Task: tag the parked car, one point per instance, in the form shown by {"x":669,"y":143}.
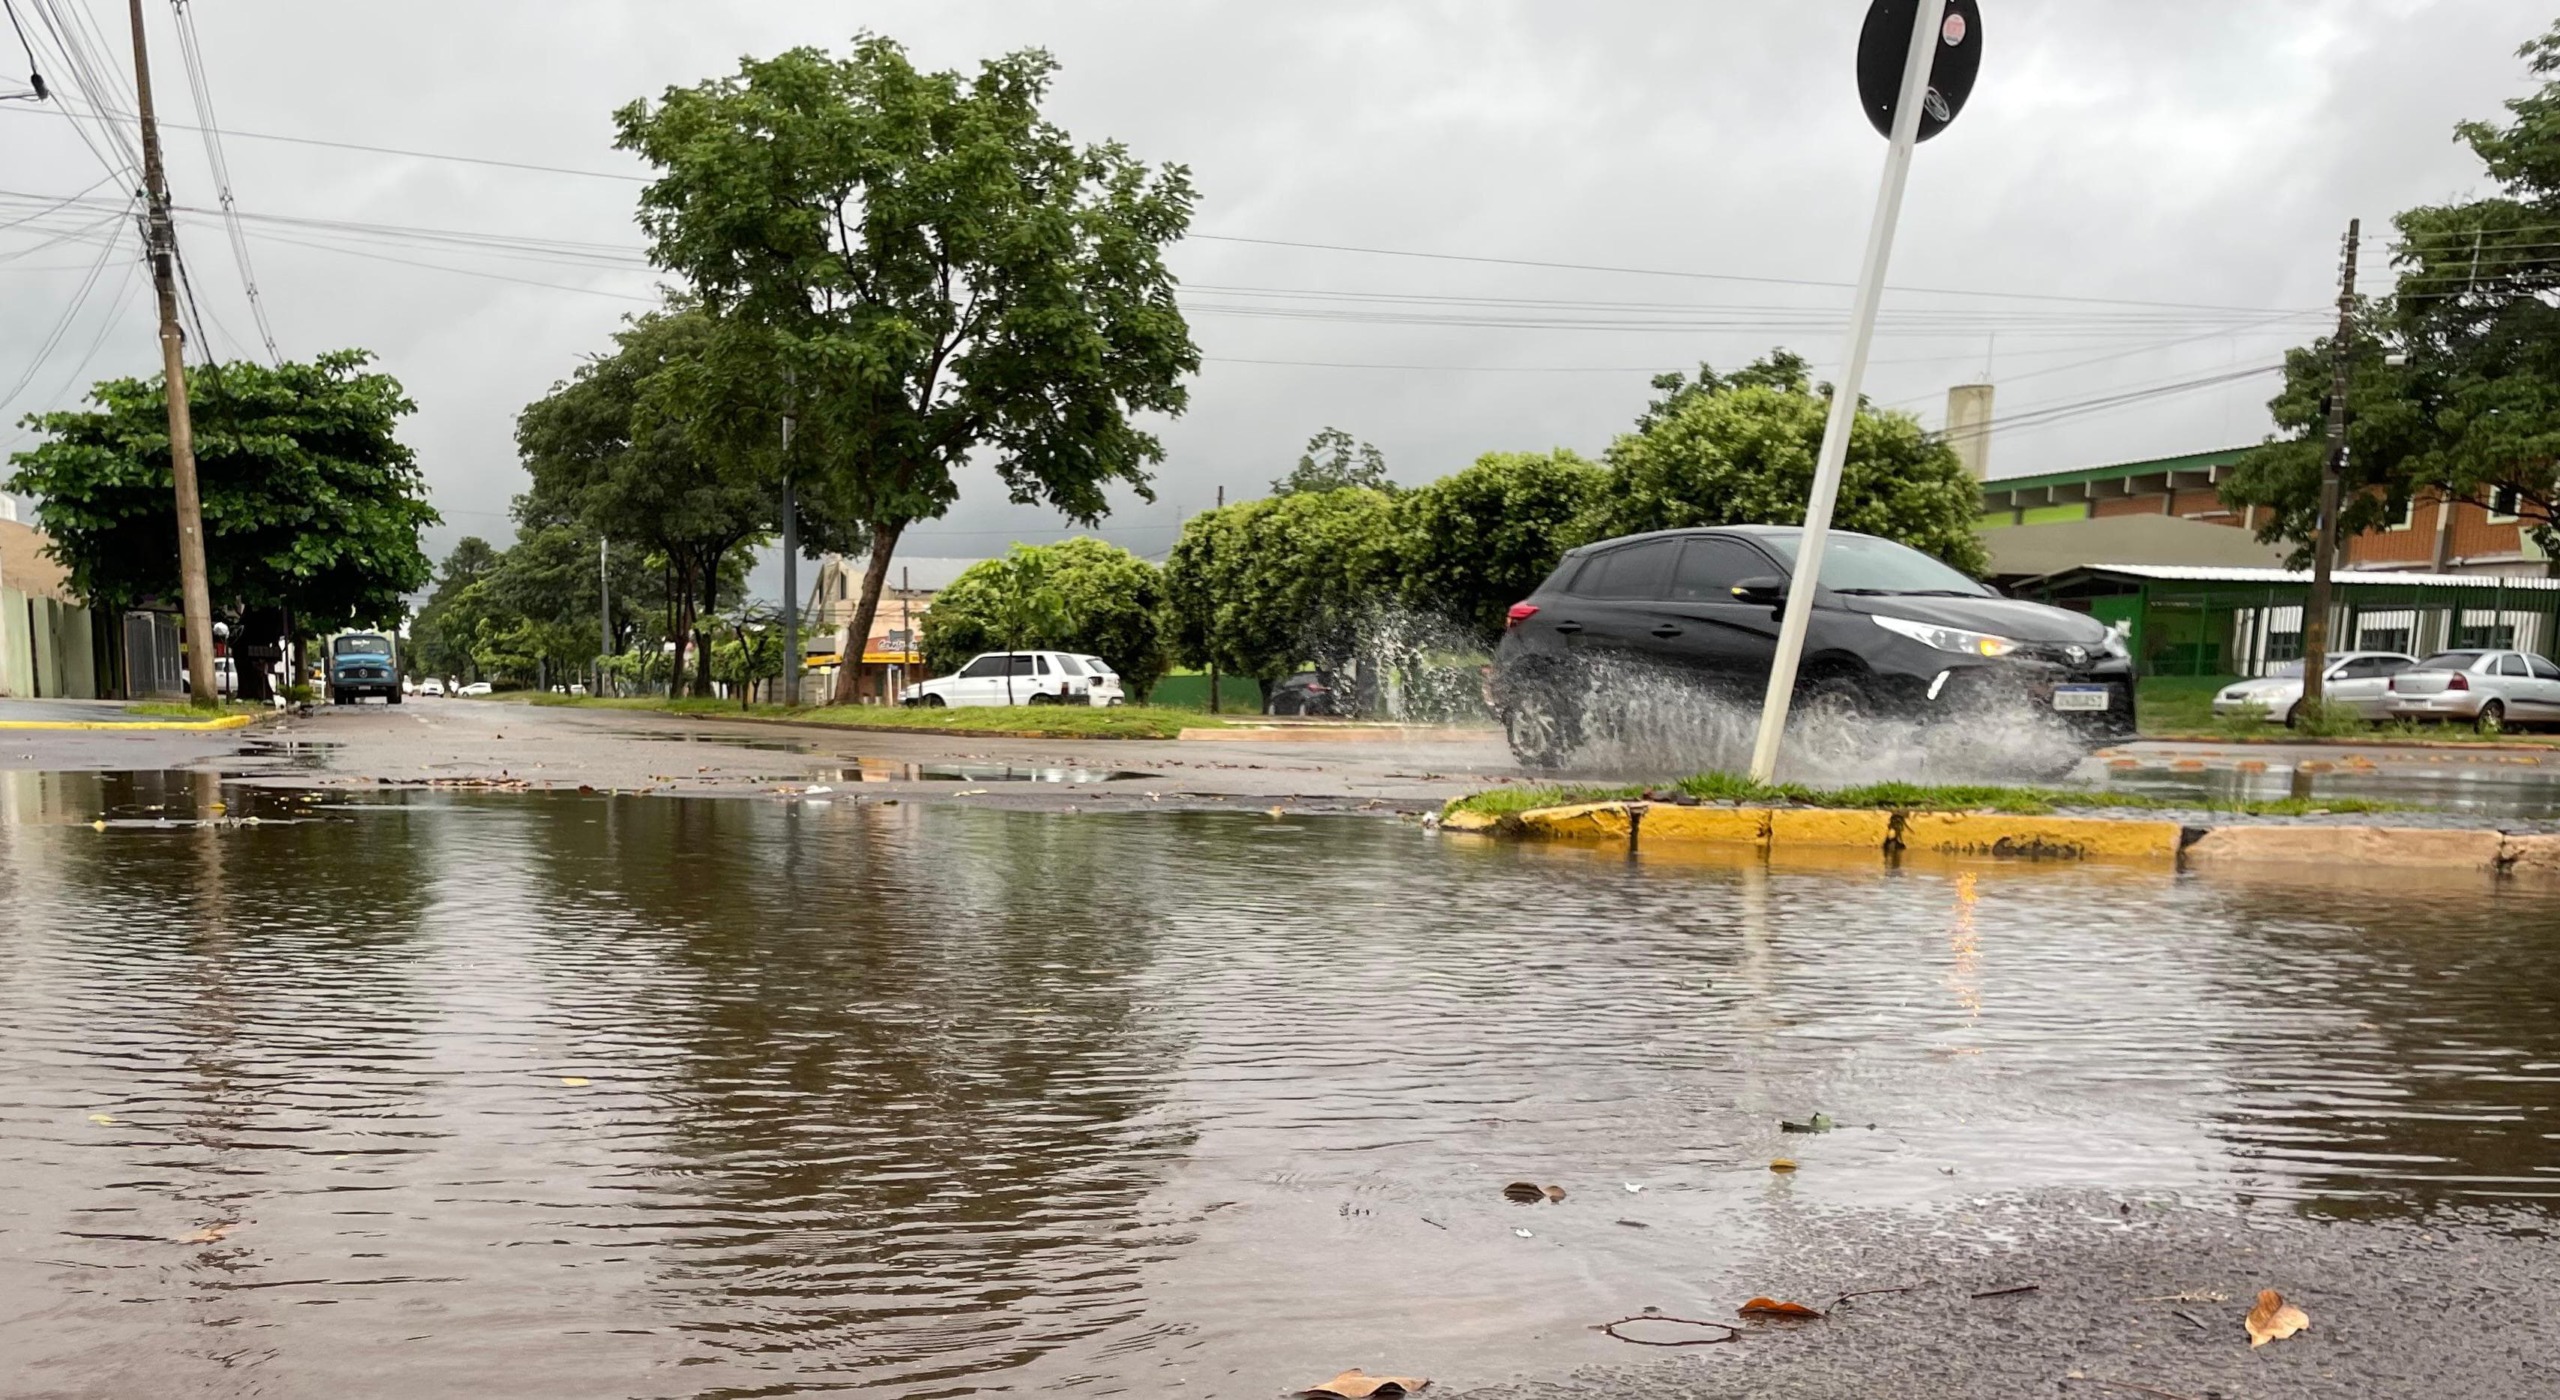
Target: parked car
{"x":432,"y":685}
{"x":2493,"y":690}
{"x":1306,"y":693}
{"x":1893,"y":632}
{"x":2357,"y":680}
{"x":1021,"y":678}
{"x":475,"y":688}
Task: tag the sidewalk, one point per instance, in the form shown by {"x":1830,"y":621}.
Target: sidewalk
{"x":104,"y":714}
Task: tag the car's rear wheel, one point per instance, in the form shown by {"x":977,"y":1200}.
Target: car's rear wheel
{"x":1542,"y":726}
{"x":2492,"y":718}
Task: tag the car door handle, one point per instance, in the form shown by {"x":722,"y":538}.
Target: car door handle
{"x":1666,"y":630}
{"x":1568,"y":627}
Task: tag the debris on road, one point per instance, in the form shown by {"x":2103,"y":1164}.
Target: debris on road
{"x":1530,"y":1193}
{"x":1611,"y":1328}
{"x":1771,"y":1307}
{"x":1356,"y":1384}
{"x":2005,"y":1292}
{"x":2274,"y":1319}
{"x":1818,"y":1123}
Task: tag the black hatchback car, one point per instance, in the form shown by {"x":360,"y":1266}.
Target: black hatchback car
{"x":1894,"y":632}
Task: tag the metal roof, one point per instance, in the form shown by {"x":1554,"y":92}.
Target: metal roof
{"x":2385,"y":578}
{"x":2191,"y":462}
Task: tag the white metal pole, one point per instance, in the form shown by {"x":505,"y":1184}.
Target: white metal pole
{"x":1844,"y":396}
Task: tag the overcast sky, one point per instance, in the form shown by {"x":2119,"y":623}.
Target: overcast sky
{"x":2156,"y":191}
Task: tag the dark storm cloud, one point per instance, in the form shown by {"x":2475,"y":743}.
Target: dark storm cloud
{"x":2185,"y":152}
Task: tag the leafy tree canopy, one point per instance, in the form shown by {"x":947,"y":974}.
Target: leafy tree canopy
{"x":1740,"y":449}
{"x":2475,"y":308}
{"x":1081,"y":595}
{"x":1258,"y":587}
{"x":1473,"y":543}
{"x":1333,"y":461}
{"x":312,"y":505}
{"x":923,"y":270}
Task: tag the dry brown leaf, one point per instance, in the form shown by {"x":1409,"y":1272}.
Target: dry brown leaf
{"x":1783,"y":1164}
{"x":210,"y":1234}
{"x":1527,"y":1193}
{"x":2274,"y":1319}
{"x":1771,"y":1307}
{"x":1356,"y":1384}
{"x":1555,"y":1193}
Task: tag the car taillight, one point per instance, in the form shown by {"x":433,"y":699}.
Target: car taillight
{"x":2459,"y":682}
{"x":1520,"y":613}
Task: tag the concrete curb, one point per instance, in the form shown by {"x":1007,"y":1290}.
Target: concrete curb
{"x":190,"y":726}
{"x":1637,"y":826}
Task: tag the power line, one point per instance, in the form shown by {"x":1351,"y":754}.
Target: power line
{"x":191,"y":54}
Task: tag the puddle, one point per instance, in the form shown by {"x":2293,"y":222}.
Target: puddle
{"x":888,"y":770}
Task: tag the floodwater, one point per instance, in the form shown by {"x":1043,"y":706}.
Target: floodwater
{"x":569,"y":1095}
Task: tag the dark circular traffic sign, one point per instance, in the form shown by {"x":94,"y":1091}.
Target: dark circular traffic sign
{"x":1886,"y":41}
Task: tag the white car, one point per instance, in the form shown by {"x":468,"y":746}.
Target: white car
{"x":432,"y":685}
{"x":2492,"y":690}
{"x":2355,"y":679}
{"x":475,"y":688}
{"x":1021,"y":678}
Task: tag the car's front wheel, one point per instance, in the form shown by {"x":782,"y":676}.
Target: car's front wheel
{"x":1834,"y":698}
{"x":934,"y":702}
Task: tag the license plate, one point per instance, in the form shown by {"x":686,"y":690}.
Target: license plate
{"x":2083,"y":697}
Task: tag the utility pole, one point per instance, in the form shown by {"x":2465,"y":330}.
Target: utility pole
{"x":790,"y":578}
{"x":2315,"y":614}
{"x":604,"y":610}
{"x":1213,"y":661}
{"x":195,"y":598}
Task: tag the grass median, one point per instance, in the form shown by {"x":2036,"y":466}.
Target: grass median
{"x":1734,"y":789}
{"x":1028,"y":721}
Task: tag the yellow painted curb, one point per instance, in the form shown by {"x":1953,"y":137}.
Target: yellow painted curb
{"x":2040,"y":838}
{"x":1813,"y":826}
{"x":2349,"y":847}
{"x":1470,"y":821}
{"x":1737,"y":826}
{"x":1605,"y":822}
{"x":195,"y":726}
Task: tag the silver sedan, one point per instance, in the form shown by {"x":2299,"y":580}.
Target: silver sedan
{"x":2355,"y":680}
{"x":2491,"y":690}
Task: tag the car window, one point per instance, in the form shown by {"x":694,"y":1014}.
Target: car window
{"x":991,"y":664}
{"x":1865,"y":564}
{"x":1097,"y":665}
{"x":2365,"y":667}
{"x":1068,"y":664}
{"x":2542,"y":669}
{"x":2450,"y":661}
{"x":2512,"y":665}
{"x":1710,"y":567}
{"x":1636,"y":571}
{"x":1022,"y":666}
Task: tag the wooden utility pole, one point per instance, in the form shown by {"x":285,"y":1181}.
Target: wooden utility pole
{"x":1213,"y":663}
{"x":194,"y":597}
{"x":2315,"y":614}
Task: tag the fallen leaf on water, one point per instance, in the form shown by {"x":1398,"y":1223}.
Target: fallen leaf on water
{"x":1555,"y":1193}
{"x":1783,"y":1164}
{"x":1524,"y":1234}
{"x":1771,"y":1307}
{"x":102,"y":1119}
{"x":970,"y":792}
{"x":1633,"y":1187}
{"x":1275,"y":813}
{"x":1526,"y":1193}
{"x":2274,"y":1319}
{"x":98,"y":825}
{"x":210,"y":1234}
{"x":575,"y":1081}
{"x":1356,"y":1384}
{"x":1818,"y":1123}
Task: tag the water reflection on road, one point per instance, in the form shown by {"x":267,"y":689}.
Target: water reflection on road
{"x":560,"y":1095}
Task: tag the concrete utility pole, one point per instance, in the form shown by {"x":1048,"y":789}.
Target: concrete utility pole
{"x":2315,"y":614}
{"x":195,"y":598}
{"x":604,"y":610}
{"x":1213,"y":664}
{"x":790,"y":578}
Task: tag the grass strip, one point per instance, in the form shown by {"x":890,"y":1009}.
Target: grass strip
{"x":180,"y":709}
{"x":1028,"y":721}
{"x":1738,"y":790}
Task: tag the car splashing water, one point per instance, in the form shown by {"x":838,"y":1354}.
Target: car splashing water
{"x":579,"y":1095}
{"x":1645,"y":724}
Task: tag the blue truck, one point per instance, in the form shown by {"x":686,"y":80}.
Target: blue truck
{"x":362,"y":664}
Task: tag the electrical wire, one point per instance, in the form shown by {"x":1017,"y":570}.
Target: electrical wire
{"x":53,"y":338}
{"x":191,"y":52}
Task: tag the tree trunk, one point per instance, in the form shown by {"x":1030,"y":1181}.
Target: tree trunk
{"x":680,"y":609}
{"x":702,"y":625}
{"x":875,"y":579}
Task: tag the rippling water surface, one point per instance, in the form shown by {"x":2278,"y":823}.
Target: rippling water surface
{"x":585,"y":1096}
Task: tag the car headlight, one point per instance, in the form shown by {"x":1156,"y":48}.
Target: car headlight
{"x":1930,"y":634}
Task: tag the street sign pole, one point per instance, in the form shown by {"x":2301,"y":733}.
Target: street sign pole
{"x":1927,"y":21}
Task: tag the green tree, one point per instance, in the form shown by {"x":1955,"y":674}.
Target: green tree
{"x":2474,"y":412}
{"x":1333,"y":461}
{"x":605,"y":453}
{"x":1258,"y":587}
{"x":1108,"y":600}
{"x":1740,"y":449}
{"x":1473,"y":543}
{"x":936,"y":272}
{"x":441,"y":634}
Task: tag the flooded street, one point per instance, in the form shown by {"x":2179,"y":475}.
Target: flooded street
{"x":555,"y":1094}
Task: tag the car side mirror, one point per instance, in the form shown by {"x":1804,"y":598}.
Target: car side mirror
{"x":1766,"y":588}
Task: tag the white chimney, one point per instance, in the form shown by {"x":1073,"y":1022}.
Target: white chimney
{"x":1969,"y":427}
